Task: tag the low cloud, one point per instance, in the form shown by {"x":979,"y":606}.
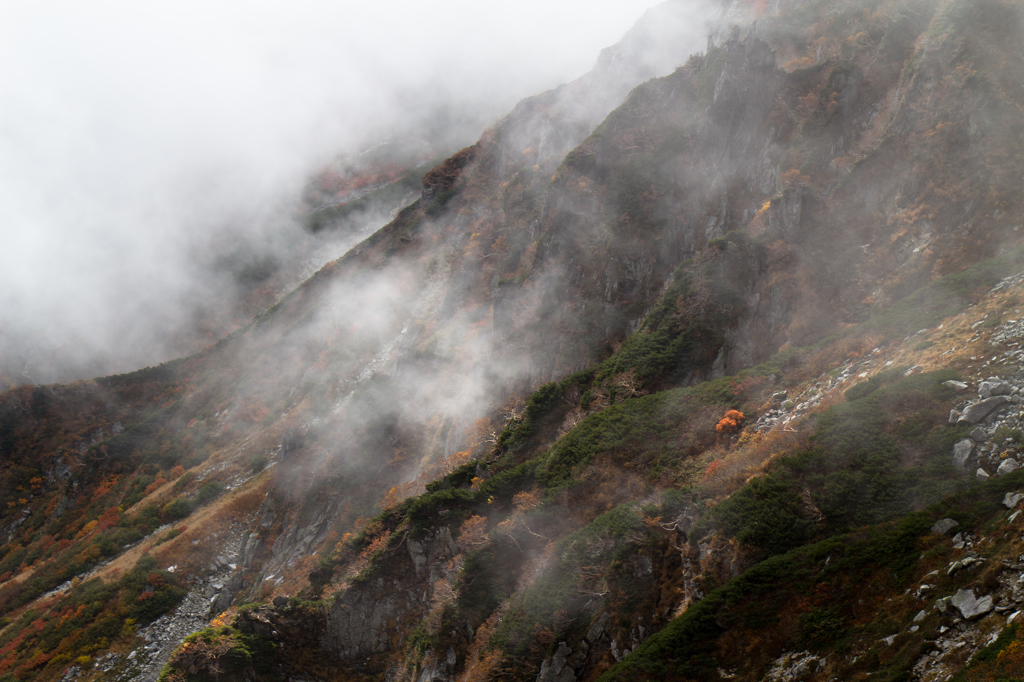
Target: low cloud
{"x":138,"y":141}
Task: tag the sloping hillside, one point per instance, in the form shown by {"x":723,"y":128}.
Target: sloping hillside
{"x":669,"y":381}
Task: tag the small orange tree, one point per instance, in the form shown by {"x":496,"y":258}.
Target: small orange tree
{"x":731,"y":422}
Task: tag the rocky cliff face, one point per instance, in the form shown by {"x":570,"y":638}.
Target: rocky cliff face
{"x":615,"y":398}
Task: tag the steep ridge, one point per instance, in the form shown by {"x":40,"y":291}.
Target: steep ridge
{"x":116,"y":448}
{"x":805,"y":176}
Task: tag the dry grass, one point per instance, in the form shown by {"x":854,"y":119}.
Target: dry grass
{"x":739,"y":465}
{"x":236,"y":505}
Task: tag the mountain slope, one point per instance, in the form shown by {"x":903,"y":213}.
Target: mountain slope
{"x":610,"y":376}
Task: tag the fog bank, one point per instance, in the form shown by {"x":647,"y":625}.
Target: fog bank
{"x":137,"y":142}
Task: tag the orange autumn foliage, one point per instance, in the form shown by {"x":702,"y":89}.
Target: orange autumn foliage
{"x":731,"y":422}
{"x":473,"y":533}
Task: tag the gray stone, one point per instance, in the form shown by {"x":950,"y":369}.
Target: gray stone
{"x":962,"y":450}
{"x":981,"y":474}
{"x":954,"y":416}
{"x":418,"y":556}
{"x":954,"y":384}
{"x":981,"y":409}
{"x":555,"y":669}
{"x":577,"y":660}
{"x":433,"y":670}
{"x":266,"y":513}
{"x":979,"y":434}
{"x":920,"y":616}
{"x":970,"y":607}
{"x":251,"y":545}
{"x":1010,"y":500}
{"x":597,"y":629}
{"x":943,"y":526}
{"x":1007,"y":466}
{"x":560,"y":657}
{"x":567,"y":675}
{"x":357,"y":623}
{"x":221,"y":603}
{"x":987,"y":389}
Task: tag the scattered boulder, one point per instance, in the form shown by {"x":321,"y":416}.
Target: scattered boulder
{"x":962,"y":450}
{"x":956,"y":385}
{"x":1010,"y":500}
{"x":975,"y":413}
{"x":943,"y":526}
{"x":993,"y":387}
{"x":1007,"y":466}
{"x":982,"y":474}
{"x":794,"y":666}
{"x":970,"y":607}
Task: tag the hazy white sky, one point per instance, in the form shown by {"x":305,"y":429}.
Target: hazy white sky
{"x":131,"y":133}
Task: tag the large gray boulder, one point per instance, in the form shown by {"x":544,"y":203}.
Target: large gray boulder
{"x":989,"y":388}
{"x":962,"y":450}
{"x":1007,"y":466}
{"x":981,"y":409}
{"x":969,"y":607}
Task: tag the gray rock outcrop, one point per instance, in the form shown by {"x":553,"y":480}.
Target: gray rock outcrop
{"x":363,"y":618}
{"x":557,"y":668}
